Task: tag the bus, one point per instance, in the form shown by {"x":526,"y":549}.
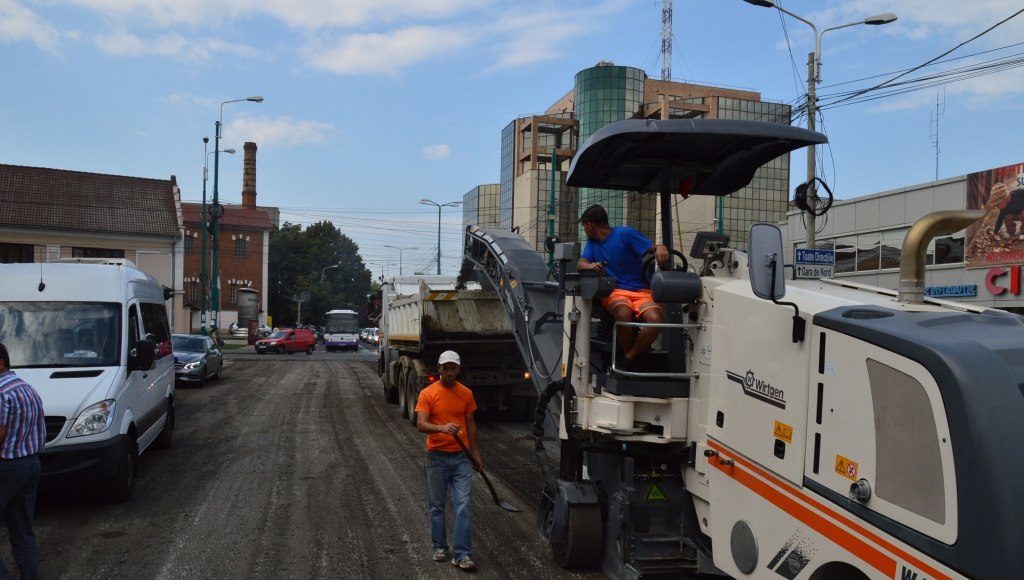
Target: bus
{"x":342,"y":330}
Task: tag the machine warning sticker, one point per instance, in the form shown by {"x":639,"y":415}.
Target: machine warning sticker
{"x":846,"y":467}
{"x":655,"y":495}
{"x":783,"y":431}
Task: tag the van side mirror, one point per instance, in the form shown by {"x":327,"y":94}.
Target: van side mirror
{"x":765,"y":262}
{"x":141,"y":356}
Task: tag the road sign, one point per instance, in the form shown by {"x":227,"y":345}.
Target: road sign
{"x":813,"y":264}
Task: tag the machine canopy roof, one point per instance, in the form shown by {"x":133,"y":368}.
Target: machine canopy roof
{"x":689,"y":156}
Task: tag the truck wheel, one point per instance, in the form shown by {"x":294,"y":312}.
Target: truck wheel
{"x":412,"y":395}
{"x":121,"y":486}
{"x":583,"y":535}
{"x":403,"y":395}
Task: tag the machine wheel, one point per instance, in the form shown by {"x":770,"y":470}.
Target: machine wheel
{"x":412,"y":395}
{"x":403,"y":395}
{"x":583,"y":539}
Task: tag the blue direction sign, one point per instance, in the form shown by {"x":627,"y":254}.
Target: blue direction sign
{"x":813,"y":264}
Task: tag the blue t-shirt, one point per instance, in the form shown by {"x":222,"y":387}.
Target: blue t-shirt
{"x":623,"y":251}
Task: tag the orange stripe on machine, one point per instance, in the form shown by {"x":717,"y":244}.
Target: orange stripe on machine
{"x":791,"y":504}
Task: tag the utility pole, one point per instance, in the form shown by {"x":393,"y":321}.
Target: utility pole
{"x":426,"y":201}
{"x":552,"y":210}
{"x":940,"y":110}
{"x":812,"y":196}
{"x":202,"y":269}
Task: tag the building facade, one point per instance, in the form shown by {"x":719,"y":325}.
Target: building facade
{"x":481,"y":206}
{"x":51,"y":214}
{"x":532,"y":146}
{"x":981,"y":265}
{"x":243,"y":254}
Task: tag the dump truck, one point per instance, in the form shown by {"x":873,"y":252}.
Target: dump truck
{"x":834,"y":431}
{"x":423,"y":316}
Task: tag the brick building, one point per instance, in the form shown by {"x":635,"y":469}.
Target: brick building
{"x":243,"y":257}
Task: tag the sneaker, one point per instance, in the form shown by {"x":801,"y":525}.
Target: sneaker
{"x":464,"y":564}
{"x":441,"y":554}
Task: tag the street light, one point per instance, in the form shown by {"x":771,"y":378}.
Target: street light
{"x":217,"y":210}
{"x":202,"y":270}
{"x":399,"y":255}
{"x":813,"y":78}
{"x":323,"y":271}
{"x":426,"y":201}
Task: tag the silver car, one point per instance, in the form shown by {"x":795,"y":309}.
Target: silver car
{"x":196,"y":358}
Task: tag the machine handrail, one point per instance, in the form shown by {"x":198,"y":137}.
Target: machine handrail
{"x":680,"y":325}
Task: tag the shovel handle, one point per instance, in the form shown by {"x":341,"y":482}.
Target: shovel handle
{"x":466,"y":451}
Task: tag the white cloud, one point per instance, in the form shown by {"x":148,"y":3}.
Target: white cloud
{"x":437,"y":152}
{"x":530,"y":35}
{"x":386,"y":53}
{"x":171,"y":45}
{"x":278,"y":131}
{"x":953,"y":20}
{"x":18,"y":24}
{"x":311,"y":14}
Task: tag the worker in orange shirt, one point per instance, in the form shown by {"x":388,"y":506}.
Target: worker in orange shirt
{"x":445,"y":411}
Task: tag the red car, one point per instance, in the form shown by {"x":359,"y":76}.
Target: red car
{"x":288,"y":340}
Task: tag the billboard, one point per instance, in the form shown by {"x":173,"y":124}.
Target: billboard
{"x":998,"y":238}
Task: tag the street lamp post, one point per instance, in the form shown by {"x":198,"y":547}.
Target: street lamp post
{"x":202,"y":269}
{"x":323,"y":271}
{"x":217,"y":210}
{"x":399,"y":255}
{"x":813,"y":78}
{"x":426,"y":201}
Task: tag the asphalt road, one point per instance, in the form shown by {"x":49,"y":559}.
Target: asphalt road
{"x":292,"y":467}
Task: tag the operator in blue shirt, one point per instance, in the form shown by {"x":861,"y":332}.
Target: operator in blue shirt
{"x":619,"y":252}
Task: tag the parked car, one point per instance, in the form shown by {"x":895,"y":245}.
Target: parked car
{"x":375,"y":336}
{"x":288,"y":340}
{"x":196,"y":358}
{"x":93,"y":339}
{"x":264,"y":330}
{"x":364,"y":334}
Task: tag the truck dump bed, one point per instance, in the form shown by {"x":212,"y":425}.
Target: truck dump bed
{"x":437,"y":312}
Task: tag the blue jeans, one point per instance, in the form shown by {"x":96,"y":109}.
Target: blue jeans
{"x":454,"y":470}
{"x":18,"y":481}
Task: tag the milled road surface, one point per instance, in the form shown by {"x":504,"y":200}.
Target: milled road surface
{"x":292,"y":467}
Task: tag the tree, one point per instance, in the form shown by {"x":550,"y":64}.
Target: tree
{"x":297,"y":261}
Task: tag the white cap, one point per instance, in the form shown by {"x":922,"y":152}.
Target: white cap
{"x":449,"y":356}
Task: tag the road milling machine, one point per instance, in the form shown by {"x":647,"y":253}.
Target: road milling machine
{"x":803,"y":429}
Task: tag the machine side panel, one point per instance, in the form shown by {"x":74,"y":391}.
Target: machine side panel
{"x":759,"y":381}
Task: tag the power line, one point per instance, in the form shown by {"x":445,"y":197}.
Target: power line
{"x":930,"y":61}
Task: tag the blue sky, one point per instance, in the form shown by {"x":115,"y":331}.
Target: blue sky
{"x":372,"y":104}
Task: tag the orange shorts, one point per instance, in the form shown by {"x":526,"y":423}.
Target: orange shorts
{"x":639,"y":301}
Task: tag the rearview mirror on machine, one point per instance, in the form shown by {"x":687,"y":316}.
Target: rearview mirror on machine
{"x":764,"y":262}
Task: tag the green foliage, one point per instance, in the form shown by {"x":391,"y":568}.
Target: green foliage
{"x":297,"y":259}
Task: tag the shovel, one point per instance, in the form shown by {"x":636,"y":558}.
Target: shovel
{"x":494,"y":495}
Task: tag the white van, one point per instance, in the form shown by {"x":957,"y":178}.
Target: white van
{"x":92,"y":338}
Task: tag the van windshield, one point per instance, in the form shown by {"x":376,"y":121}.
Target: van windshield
{"x":61,"y":334}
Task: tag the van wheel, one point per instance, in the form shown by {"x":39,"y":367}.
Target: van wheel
{"x":121,"y":486}
{"x":166,"y":436}
{"x":403,"y":395}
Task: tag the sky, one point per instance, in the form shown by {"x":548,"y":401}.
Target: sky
{"x":371,"y":105}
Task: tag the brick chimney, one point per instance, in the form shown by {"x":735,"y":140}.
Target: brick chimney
{"x":249,"y":176}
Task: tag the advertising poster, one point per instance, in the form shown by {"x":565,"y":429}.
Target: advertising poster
{"x":998,"y":238}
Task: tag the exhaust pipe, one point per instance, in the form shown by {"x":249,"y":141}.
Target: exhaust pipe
{"x":915,"y":245}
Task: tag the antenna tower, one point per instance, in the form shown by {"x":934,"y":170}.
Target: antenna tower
{"x":940,"y":110}
{"x":666,"y":40}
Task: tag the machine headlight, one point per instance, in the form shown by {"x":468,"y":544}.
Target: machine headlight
{"x":192,"y":365}
{"x":95,"y":419}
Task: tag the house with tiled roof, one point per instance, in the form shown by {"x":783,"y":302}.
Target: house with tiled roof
{"x":48,"y":214}
{"x":243,"y":255}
